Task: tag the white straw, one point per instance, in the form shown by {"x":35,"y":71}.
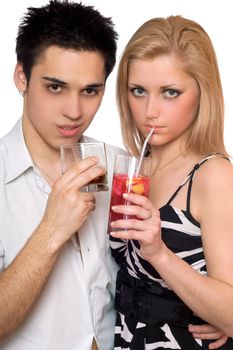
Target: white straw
{"x":143,"y":150}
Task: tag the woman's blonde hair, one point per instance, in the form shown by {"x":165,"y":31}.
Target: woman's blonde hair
{"x":188,"y":41}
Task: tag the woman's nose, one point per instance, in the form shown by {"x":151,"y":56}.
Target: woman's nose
{"x":152,"y":108}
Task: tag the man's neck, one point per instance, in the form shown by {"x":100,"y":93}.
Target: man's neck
{"x":45,"y":158}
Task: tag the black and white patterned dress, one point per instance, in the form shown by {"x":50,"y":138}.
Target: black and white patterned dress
{"x":182,"y":235}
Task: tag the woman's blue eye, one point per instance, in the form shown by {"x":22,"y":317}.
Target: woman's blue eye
{"x":137,"y":91}
{"x":171,"y":93}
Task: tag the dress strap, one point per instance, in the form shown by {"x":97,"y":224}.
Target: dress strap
{"x":196,"y":167}
{"x":190,"y":177}
{"x":178,"y":189}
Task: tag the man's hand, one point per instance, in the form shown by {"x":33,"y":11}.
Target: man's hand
{"x":207,"y":332}
{"x":67,"y":207}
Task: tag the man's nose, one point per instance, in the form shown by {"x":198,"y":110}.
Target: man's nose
{"x":73,"y":106}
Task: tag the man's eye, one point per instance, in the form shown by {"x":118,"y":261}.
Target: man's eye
{"x":90,"y":91}
{"x":138,"y":91}
{"x":54,"y":87}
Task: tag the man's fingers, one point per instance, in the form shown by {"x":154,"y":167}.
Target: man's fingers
{"x":82,"y":173}
{"x":205,"y":329}
{"x":79,"y":167}
{"x":218,"y":343}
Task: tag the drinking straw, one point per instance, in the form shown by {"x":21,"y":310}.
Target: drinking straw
{"x":143,"y":150}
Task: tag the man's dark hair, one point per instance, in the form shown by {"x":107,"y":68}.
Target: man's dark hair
{"x":68,"y":25}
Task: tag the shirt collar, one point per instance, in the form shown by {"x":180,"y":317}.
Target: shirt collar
{"x":19,"y":159}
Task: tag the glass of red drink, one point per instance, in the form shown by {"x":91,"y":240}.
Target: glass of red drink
{"x":70,"y":154}
{"x":127,"y":179}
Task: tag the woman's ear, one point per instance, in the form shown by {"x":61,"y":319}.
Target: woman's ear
{"x":20,"y":79}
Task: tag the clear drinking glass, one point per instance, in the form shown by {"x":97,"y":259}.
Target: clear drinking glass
{"x":127,"y":178}
{"x":71,"y":154}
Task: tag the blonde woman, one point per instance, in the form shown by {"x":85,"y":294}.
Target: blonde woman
{"x":176,"y":261}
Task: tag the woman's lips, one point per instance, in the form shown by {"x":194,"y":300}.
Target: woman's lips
{"x":156,"y":128}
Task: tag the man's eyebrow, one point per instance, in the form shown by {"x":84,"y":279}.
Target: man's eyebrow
{"x":61,"y":82}
{"x":94,"y":85}
{"x":55,"y":80}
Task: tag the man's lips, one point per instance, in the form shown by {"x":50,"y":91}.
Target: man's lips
{"x":69,"y":130}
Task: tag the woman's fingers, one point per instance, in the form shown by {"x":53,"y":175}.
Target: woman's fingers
{"x":132,"y":210}
{"x":139,"y":200}
{"x":139,"y":216}
{"x":143,"y":230}
{"x":136,"y":205}
{"x":127,"y":234}
{"x":133,"y":224}
{"x":141,"y":222}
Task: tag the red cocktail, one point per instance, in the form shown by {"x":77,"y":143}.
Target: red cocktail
{"x":123,"y":184}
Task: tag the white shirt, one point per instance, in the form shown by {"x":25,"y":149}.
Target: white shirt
{"x":77,"y":301}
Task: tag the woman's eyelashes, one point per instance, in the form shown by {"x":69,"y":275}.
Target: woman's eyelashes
{"x":137,"y":91}
{"x":171,"y":93}
{"x":166,"y":92}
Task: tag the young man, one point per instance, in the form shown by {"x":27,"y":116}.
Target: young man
{"x":54,"y":295}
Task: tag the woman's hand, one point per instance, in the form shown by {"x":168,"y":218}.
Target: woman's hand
{"x":144,"y":226}
{"x":206,"y":332}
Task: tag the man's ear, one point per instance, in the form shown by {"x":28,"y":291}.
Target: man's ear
{"x":20,"y":78}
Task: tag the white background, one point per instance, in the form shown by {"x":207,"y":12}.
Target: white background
{"x":215,"y":16}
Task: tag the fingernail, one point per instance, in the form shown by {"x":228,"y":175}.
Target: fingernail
{"x":125,"y":195}
{"x":190,"y":327}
